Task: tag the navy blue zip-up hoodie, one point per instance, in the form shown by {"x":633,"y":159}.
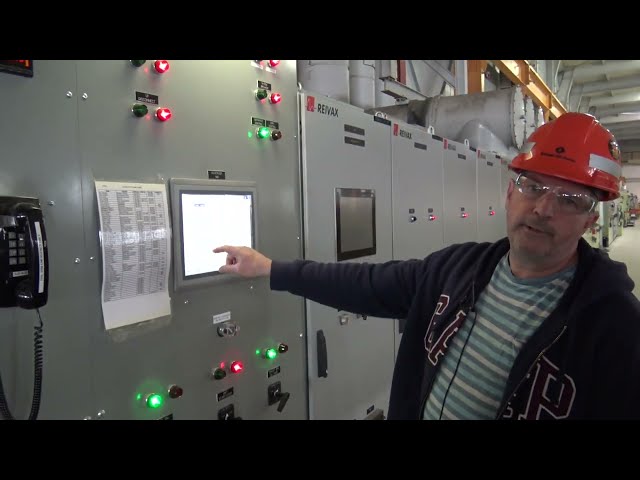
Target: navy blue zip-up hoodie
{"x":583,"y":361}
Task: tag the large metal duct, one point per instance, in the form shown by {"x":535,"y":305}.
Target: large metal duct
{"x":362,"y":83}
{"x":501,"y":111}
{"x":326,"y":77}
{"x":483,"y":138}
{"x":529,"y":117}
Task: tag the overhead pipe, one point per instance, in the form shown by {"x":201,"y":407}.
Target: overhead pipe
{"x":326,"y":77}
{"x":362,"y":83}
{"x":631,"y":81}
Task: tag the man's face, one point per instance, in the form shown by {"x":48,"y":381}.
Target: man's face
{"x":541,"y":229}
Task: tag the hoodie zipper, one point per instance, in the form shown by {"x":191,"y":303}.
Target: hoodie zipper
{"x":506,"y":403}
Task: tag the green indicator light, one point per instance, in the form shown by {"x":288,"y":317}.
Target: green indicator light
{"x":263,"y":132}
{"x":257,"y":351}
{"x":271,"y":353}
{"x":249,"y":134}
{"x":139,"y":396}
{"x":154,"y":401}
{"x":261,"y":94}
{"x":139,"y":110}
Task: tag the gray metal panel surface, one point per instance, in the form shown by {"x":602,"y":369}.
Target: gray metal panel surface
{"x":417,"y":192}
{"x":213,"y":103}
{"x":491,"y":225}
{"x":418,"y":228}
{"x":342,"y":147}
{"x":39,"y":145}
{"x":58,"y":144}
{"x":460,"y":200}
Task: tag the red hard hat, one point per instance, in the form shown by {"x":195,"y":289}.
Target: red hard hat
{"x":574,"y":147}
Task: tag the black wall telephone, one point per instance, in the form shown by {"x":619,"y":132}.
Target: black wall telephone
{"x":24,"y":274}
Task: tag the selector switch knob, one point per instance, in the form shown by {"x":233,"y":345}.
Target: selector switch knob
{"x":282,"y":348}
{"x":175,"y":391}
{"x":276,"y":135}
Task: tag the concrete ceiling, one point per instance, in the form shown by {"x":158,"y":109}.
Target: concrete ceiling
{"x":610,"y":90}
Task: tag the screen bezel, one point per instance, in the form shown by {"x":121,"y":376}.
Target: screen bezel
{"x":357,"y":193}
{"x":202,"y":186}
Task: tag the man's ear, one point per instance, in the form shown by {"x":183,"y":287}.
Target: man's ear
{"x":509,"y":192}
{"x":591,"y":220}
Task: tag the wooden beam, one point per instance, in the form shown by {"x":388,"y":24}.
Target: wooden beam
{"x":475,"y":75}
{"x":523,"y":74}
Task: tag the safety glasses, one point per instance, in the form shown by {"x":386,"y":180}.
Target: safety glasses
{"x":568,"y":202}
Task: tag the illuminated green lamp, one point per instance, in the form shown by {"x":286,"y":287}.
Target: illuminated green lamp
{"x":154,"y":401}
{"x":271,"y":353}
{"x":263,"y":132}
{"x":261,"y":94}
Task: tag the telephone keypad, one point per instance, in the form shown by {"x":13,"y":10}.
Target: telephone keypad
{"x":12,"y":244}
{"x":21,"y":252}
{"x":13,"y":261}
{"x":21,"y":243}
{"x":13,"y":252}
{"x":12,"y":235}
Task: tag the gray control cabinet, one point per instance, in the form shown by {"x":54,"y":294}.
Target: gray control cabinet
{"x":418,"y":220}
{"x":491,"y":226}
{"x":346,"y":151}
{"x":460,"y":197}
{"x":417,"y":192}
{"x":71,"y":125}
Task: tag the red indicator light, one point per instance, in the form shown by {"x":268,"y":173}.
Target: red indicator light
{"x":236,"y":367}
{"x":492,"y":213}
{"x":465,"y":215}
{"x":274,"y":63}
{"x":275,"y":98}
{"x":432,"y":218}
{"x":163,"y":114}
{"x":161,"y":66}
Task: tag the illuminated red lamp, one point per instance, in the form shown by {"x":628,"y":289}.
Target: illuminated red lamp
{"x":161,"y":66}
{"x":236,"y":367}
{"x":163,"y":114}
{"x":275,"y":98}
{"x":274,"y":63}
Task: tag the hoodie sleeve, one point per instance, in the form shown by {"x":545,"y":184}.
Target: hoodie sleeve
{"x":380,"y":290}
{"x":618,"y":392}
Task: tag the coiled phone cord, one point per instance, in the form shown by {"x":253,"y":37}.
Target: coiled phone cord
{"x":37,"y":377}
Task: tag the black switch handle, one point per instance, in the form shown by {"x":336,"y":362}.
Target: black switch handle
{"x":284,"y":398}
{"x":323,"y":369}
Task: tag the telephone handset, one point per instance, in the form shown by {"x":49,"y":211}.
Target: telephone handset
{"x":24,"y":264}
{"x":24,"y":275}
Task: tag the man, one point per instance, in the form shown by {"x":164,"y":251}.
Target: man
{"x":538,"y":325}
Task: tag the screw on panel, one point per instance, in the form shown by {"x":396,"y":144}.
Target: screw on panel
{"x":51,"y":202}
{"x":69,"y":94}
{"x":92,"y":258}
{"x":85,"y":96}
{"x":301,"y":335}
{"x":101,"y":414}
{"x":77,"y":260}
{"x":186,"y":302}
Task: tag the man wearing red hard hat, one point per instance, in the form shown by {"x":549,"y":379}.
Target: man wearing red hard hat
{"x":538,"y":325}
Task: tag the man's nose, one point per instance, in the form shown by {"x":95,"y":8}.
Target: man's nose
{"x":546,"y":204}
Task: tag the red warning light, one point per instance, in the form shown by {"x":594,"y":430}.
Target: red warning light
{"x":492,"y":213}
{"x":163,"y":114}
{"x":274,"y":63}
{"x":465,"y":215}
{"x":275,"y":98}
{"x":432,"y":218}
{"x":161,"y":66}
{"x":236,"y":367}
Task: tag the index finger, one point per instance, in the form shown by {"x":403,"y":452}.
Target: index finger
{"x":227,"y":249}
